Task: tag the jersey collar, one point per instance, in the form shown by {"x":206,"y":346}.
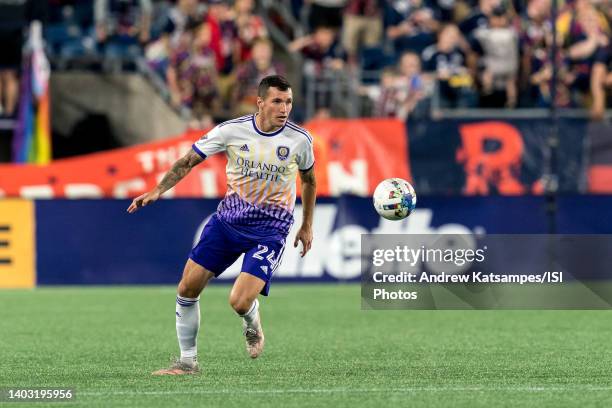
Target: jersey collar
{"x":264,"y":133}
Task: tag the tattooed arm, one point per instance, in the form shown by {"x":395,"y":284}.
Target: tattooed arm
{"x":179,"y":170}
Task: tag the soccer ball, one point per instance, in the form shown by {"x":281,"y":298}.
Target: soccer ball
{"x":394,"y":199}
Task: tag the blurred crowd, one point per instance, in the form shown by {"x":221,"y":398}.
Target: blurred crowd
{"x":210,"y":53}
{"x":213,"y":56}
{"x":407,"y":55}
{"x":471,"y":53}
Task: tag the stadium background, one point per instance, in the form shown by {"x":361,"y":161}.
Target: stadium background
{"x":420,"y":95}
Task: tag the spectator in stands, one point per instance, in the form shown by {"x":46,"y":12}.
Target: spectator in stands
{"x":601,"y":82}
{"x":123,"y":27}
{"x":229,"y":49}
{"x":445,"y":10}
{"x":177,"y":18}
{"x":535,"y":33}
{"x":541,"y":78}
{"x":250,"y":27}
{"x":411,"y":83}
{"x":230,"y":43}
{"x":401,"y":90}
{"x":224,"y":41}
{"x":584,"y":31}
{"x":192,"y":75}
{"x":69,"y":30}
{"x":536,"y":42}
{"x":386,"y":95}
{"x":479,"y":17}
{"x":250,"y":74}
{"x":411,"y":25}
{"x":219,"y":18}
{"x":324,"y":59}
{"x":446,"y":64}
{"x":326,"y":13}
{"x":363,"y":25}
{"x":497,"y":46}
{"x":322,"y":48}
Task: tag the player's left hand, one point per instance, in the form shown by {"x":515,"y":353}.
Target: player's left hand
{"x":304,"y":236}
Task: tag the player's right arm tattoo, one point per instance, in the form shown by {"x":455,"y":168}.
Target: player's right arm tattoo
{"x":179,"y":170}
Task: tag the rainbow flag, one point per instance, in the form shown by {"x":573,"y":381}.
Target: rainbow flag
{"x":32,"y":138}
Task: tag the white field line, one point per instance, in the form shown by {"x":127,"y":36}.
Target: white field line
{"x":535,"y":389}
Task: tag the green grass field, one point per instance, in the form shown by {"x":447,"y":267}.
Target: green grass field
{"x":321,"y":350}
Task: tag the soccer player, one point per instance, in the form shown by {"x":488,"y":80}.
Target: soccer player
{"x":265,"y":152}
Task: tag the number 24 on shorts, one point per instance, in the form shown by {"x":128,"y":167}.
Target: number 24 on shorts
{"x":261,"y":251}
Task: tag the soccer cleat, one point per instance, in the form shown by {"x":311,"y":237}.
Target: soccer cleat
{"x":179,"y":368}
{"x":254,"y":341}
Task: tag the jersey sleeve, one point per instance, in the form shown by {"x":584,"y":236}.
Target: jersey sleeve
{"x":211,"y":143}
{"x":305,"y":159}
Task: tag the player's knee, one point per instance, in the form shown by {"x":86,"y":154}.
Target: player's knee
{"x":240,"y":304}
{"x":185,"y":290}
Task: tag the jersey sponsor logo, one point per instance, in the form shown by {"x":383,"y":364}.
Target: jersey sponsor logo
{"x":260,"y":170}
{"x":244,"y":148}
{"x":260,"y":165}
{"x":282,"y":152}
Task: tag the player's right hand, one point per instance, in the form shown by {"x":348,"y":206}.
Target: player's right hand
{"x":143,"y":200}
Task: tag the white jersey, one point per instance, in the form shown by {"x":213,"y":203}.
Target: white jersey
{"x":261,"y":173}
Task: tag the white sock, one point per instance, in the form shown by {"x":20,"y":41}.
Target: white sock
{"x":187,"y":326}
{"x":251,"y":318}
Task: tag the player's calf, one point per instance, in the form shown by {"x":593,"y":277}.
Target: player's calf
{"x":243,"y":299}
{"x":252,"y":330}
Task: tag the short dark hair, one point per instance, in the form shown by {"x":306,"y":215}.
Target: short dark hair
{"x":272,"y":81}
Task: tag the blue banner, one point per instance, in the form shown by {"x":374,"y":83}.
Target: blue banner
{"x":97,"y":242}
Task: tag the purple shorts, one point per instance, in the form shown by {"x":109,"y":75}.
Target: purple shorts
{"x":220,"y":246}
